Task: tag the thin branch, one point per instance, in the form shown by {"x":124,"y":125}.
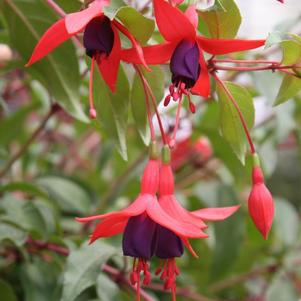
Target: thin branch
{"x":55,"y":108}
{"x":254,"y":68}
{"x":56,"y":8}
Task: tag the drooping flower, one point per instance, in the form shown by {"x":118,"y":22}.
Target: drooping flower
{"x":170,"y":244}
{"x":260,"y":202}
{"x":100,"y":38}
{"x":184,"y":49}
{"x":139,"y":223}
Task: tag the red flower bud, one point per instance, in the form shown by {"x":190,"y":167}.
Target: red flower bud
{"x":261,"y":205}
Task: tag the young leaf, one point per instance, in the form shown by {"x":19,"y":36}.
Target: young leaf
{"x":83,"y":267}
{"x":289,"y":88}
{"x":223,"y":23}
{"x":291,"y":52}
{"x":59,"y":71}
{"x":156,"y":82}
{"x":140,"y":26}
{"x":112,"y":109}
{"x":230,"y":123}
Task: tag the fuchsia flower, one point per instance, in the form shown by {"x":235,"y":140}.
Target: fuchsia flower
{"x":100,"y":38}
{"x":170,"y":244}
{"x":260,"y":203}
{"x":184,"y":49}
{"x":139,"y":223}
{"x":156,"y":228}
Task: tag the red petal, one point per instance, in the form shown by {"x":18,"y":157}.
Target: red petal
{"x":158,"y":215}
{"x":153,"y":55}
{"x":172,"y":207}
{"x":136,"y":208}
{"x":136,"y":45}
{"x":224,"y":46}
{"x":172,"y":23}
{"x":77,"y":21}
{"x":189,"y":247}
{"x":109,"y":227}
{"x":52,"y":38}
{"x":202,"y":86}
{"x":109,"y":66}
{"x":215,"y":214}
{"x":192,"y":15}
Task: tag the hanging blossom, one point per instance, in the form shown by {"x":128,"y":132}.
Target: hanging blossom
{"x":184,"y":49}
{"x":153,"y":227}
{"x":260,"y":202}
{"x":139,"y":223}
{"x":100,"y":38}
{"x":170,"y":244}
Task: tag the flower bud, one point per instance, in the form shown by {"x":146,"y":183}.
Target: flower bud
{"x":260,"y":203}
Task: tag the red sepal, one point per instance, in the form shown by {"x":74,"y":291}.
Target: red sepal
{"x":172,"y":23}
{"x":153,"y":55}
{"x":202,"y":86}
{"x":109,"y":66}
{"x":76,"y":22}
{"x":136,"y":46}
{"x":192,"y":15}
{"x":224,"y":46}
{"x":215,"y":214}
{"x":52,"y":38}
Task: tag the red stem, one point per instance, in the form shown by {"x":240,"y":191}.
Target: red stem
{"x":238,"y":68}
{"x":148,"y":109}
{"x":177,"y":120}
{"x":241,"y":117}
{"x":244,"y":61}
{"x":156,"y":109}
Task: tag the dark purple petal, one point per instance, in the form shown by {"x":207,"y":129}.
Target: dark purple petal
{"x":169,"y":245}
{"x":139,"y":239}
{"x":99,"y":36}
{"x":184,"y":63}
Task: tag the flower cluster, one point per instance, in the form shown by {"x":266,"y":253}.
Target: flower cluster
{"x":155,"y":224}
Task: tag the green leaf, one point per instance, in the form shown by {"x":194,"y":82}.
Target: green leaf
{"x":291,"y":52}
{"x":27,"y":215}
{"x":286,"y":222}
{"x":7,"y":292}
{"x":140,"y":27}
{"x":83,"y":268}
{"x":228,"y":236}
{"x":59,"y":72}
{"x":107,"y":289}
{"x":69,"y":196}
{"x":156,"y":82}
{"x":40,"y":280}
{"x":290,"y":87}
{"x":223,"y":23}
{"x":12,"y":233}
{"x":230,"y":123}
{"x":29,"y":188}
{"x":112,"y":109}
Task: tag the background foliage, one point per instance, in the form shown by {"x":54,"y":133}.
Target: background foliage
{"x":55,"y":165}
